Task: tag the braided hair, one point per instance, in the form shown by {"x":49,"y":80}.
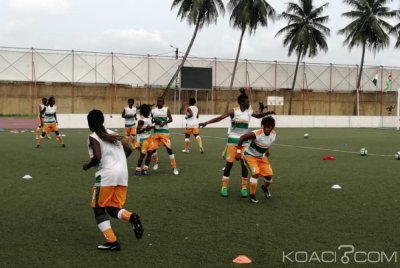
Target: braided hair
{"x":145,"y":110}
{"x":95,"y":120}
{"x":242,"y":97}
{"x":269,"y":121}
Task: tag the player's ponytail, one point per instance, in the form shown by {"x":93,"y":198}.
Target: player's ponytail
{"x":243,"y":96}
{"x":96,"y":120}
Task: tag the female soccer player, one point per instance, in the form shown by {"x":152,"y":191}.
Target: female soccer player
{"x":161,"y":118}
{"x":108,"y":152}
{"x":256,"y":156}
{"x":192,"y":126}
{"x":40,"y":118}
{"x":240,"y":119}
{"x":144,"y":143}
{"x":129,"y":113}
{"x":50,"y":122}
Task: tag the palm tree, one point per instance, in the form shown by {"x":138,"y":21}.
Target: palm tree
{"x":247,"y":15}
{"x":305,"y":33}
{"x":367,"y":29}
{"x":396,"y":29}
{"x":198,"y":13}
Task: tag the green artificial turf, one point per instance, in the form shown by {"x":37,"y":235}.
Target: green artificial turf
{"x":48,"y":222}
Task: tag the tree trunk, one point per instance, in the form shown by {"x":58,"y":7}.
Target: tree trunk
{"x":196,"y":29}
{"x":234,"y":69}
{"x":294,"y":83}
{"x":358,"y":86}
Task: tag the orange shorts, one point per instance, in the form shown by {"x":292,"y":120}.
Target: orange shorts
{"x":50,"y":128}
{"x":161,"y":138}
{"x":258,"y":166}
{"x":229,"y":153}
{"x":109,"y":196}
{"x":190,"y":131}
{"x":145,"y":145}
{"x":130,"y":131}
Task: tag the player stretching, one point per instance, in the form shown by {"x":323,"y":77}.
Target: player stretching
{"x":256,"y":156}
{"x":161,"y":118}
{"x":240,"y":119}
{"x":144,"y":143}
{"x":192,"y":126}
{"x":50,"y":122}
{"x":129,"y":113}
{"x":109,"y":154}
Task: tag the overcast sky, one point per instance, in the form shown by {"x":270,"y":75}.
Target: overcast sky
{"x":150,"y":27}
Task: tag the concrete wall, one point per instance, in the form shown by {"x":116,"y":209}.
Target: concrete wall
{"x":23,"y":98}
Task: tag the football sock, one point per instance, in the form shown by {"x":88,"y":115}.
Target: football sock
{"x":60,"y":139}
{"x":267,"y":181}
{"x":253,"y":185}
{"x":244,"y":182}
{"x":155,"y":157}
{"x":105,"y":228}
{"x":145,"y":168}
{"x":187,"y":142}
{"x":225,"y":181}
{"x":172,"y":159}
{"x":199,"y":141}
{"x":124,"y":215}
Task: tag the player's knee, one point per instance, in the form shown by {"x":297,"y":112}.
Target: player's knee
{"x":57,"y":133}
{"x":100,"y":214}
{"x":169,"y":151}
{"x":113,"y":211}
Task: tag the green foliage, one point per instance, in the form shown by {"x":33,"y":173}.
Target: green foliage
{"x":368,"y":26}
{"x":202,"y":12}
{"x":47,"y":221}
{"x":305,"y":33}
{"x":248,"y":14}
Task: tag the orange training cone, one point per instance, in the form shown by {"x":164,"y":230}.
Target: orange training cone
{"x":242,"y":259}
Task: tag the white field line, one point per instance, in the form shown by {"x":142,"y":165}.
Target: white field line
{"x":300,"y":147}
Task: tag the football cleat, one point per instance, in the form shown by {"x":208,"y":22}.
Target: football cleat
{"x":37,"y":145}
{"x":224,"y":192}
{"x":110,"y":246}
{"x":201,"y":150}
{"x":253,"y":199}
{"x":266,"y":191}
{"x":144,"y":173}
{"x":185,"y":151}
{"x":175,"y":171}
{"x":138,"y":173}
{"x":244,"y":193}
{"x":155,"y":167}
{"x":137,"y":225}
{"x":63,"y":145}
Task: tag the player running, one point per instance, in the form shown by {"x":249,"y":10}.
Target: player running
{"x":129,"y":113}
{"x":240,"y":119}
{"x":256,"y":155}
{"x":144,"y":143}
{"x":50,"y":122}
{"x":108,"y":152}
{"x":161,"y":118}
{"x":192,"y":126}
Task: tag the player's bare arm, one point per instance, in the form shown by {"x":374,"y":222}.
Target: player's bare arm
{"x":218,"y":118}
{"x":95,"y":160}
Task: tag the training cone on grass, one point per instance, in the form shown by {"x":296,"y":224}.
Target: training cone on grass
{"x":242,"y":259}
{"x":27,"y":177}
{"x":336,"y":186}
{"x":328,"y":157}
